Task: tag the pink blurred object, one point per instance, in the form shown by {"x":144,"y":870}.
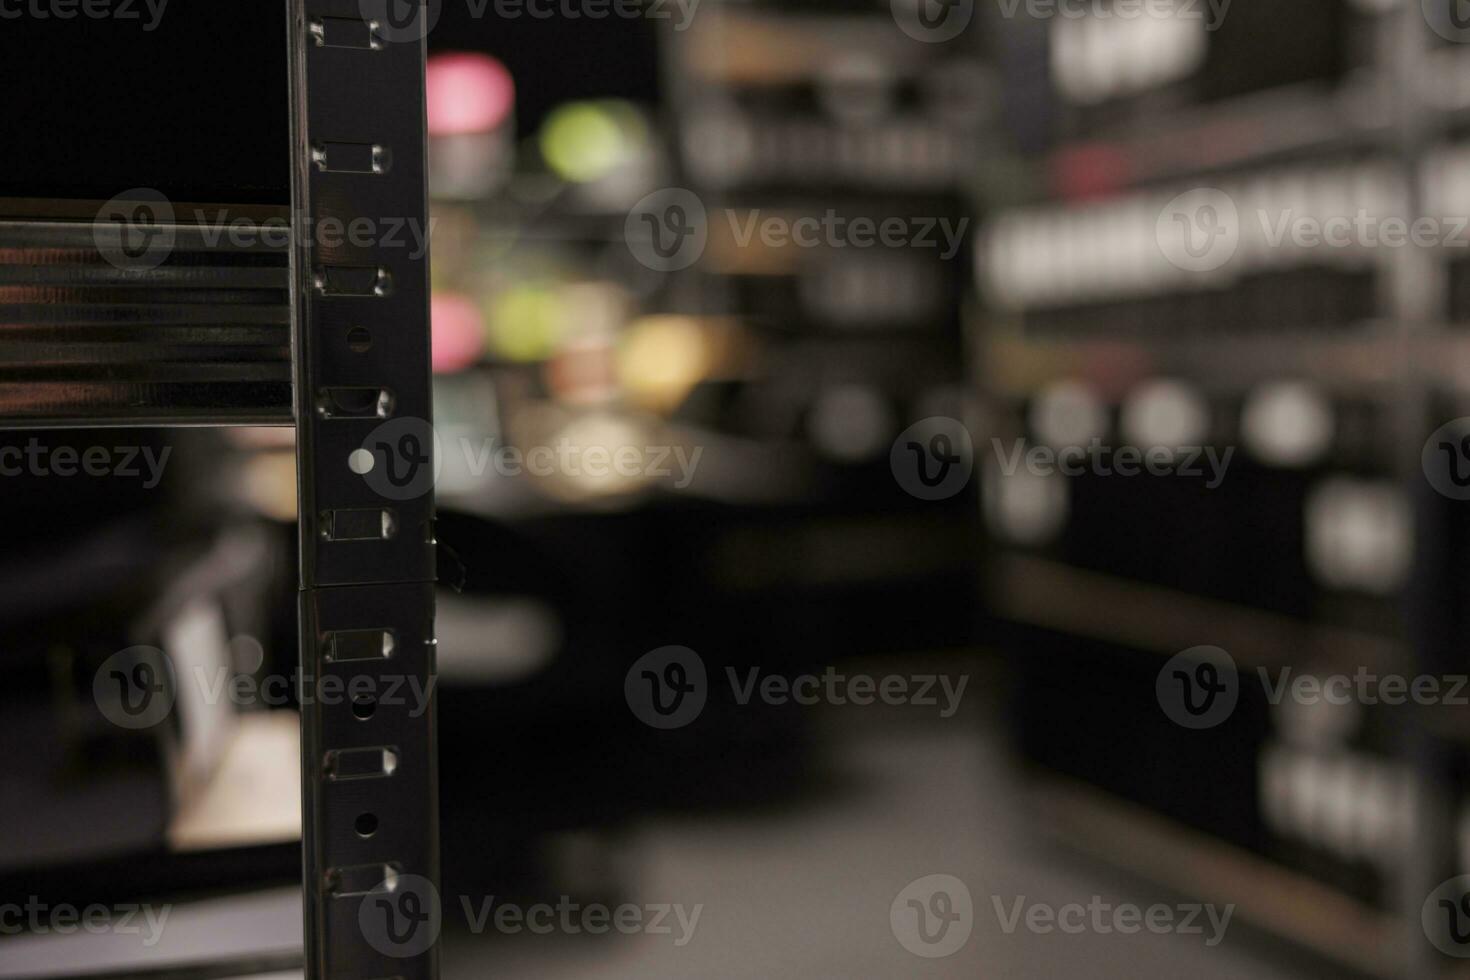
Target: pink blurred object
{"x":457,"y":333}
{"x":467,"y":93}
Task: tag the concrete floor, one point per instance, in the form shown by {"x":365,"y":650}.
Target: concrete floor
{"x":801,"y":893}
{"x":806,"y":893}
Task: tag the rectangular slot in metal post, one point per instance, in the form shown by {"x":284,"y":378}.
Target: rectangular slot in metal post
{"x":344,"y":32}
{"x":378,"y":762}
{"x":350,"y":158}
{"x":344,"y":646}
{"x":361,"y":524}
{"x":350,"y":280}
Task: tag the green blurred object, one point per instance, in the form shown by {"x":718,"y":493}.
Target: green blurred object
{"x":525,"y":323}
{"x":583,"y":142}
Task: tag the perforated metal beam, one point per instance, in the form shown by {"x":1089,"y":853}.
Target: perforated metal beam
{"x":360,"y":318}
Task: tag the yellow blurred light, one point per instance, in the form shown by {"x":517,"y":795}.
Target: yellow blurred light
{"x":268,"y":482}
{"x":662,"y":359}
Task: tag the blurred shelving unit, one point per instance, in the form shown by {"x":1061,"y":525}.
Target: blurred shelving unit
{"x":803,"y":112}
{"x":1324,"y":369}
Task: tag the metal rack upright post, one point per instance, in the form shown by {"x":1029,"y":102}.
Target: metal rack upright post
{"x":365,"y":475}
